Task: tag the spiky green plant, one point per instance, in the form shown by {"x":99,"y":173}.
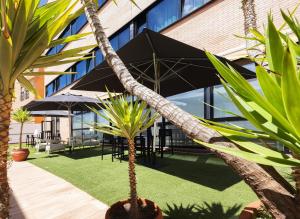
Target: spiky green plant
{"x":27,"y":31}
{"x":126,"y":119}
{"x":21,"y":116}
{"x":275,"y":113}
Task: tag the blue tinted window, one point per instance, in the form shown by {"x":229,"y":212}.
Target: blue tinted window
{"x":190,"y":5}
{"x":42,"y":2}
{"x":99,"y":56}
{"x":163,"y":14}
{"x":141,"y":23}
{"x":49,"y":89}
{"x":101,"y":2}
{"x":78,"y":23}
{"x":80,"y":68}
{"x":90,"y":64}
{"x":124,"y":37}
{"x":114,"y":43}
{"x":51,"y":51}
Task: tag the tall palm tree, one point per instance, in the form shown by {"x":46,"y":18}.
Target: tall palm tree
{"x":21,"y":116}
{"x":254,"y":175}
{"x":126,"y":119}
{"x":27,"y":30}
{"x":250,"y":23}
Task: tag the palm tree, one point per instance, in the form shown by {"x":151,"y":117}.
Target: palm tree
{"x":250,"y":23}
{"x":27,"y":30}
{"x":126,"y":119}
{"x":254,"y":175}
{"x":21,"y":116}
{"x":275,"y":111}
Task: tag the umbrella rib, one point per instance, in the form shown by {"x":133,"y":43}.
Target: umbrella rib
{"x":174,"y":72}
{"x":143,"y":73}
{"x":169,"y":69}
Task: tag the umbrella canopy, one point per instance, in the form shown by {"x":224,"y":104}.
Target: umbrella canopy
{"x":50,"y":113}
{"x":63,"y":102}
{"x":69,"y":102}
{"x":160,"y":63}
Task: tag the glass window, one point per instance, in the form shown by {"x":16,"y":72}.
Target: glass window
{"x":114,"y":43}
{"x":141,"y":23}
{"x":101,"y":2}
{"x":80,"y":68}
{"x":190,"y":5}
{"x":192,"y":101}
{"x":124,"y":37}
{"x":62,"y":82}
{"x":78,"y":23}
{"x":52,"y":51}
{"x":49,"y":89}
{"x":42,"y":3}
{"x":223,"y":101}
{"x":99,"y":56}
{"x":77,"y":120}
{"x":88,"y":119}
{"x":163,"y":14}
{"x":90,"y":64}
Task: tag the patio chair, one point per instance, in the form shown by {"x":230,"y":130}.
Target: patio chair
{"x":162,"y":136}
{"x":54,"y":146}
{"x":40,"y":145}
{"x":107,"y":141}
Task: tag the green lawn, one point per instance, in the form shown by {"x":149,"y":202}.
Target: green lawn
{"x":177,"y":179}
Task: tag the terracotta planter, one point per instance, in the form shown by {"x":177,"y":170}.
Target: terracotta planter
{"x":20,"y":154}
{"x":251,"y":210}
{"x":148,"y":210}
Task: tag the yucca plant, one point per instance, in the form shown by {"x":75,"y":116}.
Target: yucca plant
{"x":275,"y":113}
{"x":126,"y":119}
{"x":21,"y":116}
{"x":26,"y":32}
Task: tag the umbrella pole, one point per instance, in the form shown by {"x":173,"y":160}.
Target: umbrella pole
{"x":70,"y":125}
{"x":157,"y":90}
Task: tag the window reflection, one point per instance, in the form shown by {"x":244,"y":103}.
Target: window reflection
{"x":164,"y":14}
{"x":192,"y":101}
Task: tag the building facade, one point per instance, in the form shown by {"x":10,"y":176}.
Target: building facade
{"x":204,"y":24}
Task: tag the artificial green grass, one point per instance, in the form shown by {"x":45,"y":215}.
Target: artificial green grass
{"x":176,"y":179}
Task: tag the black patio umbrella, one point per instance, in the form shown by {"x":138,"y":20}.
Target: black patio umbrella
{"x":69,"y":102}
{"x":161,"y":63}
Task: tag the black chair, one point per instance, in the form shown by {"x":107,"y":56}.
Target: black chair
{"x":162,"y":136}
{"x":119,"y":148}
{"x":107,"y":140}
{"x":140,"y":144}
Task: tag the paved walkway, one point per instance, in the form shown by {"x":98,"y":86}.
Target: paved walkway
{"x":38,"y":194}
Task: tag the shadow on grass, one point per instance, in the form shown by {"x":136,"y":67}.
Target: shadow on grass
{"x":205,"y":170}
{"x":205,"y":211}
{"x":82,"y":153}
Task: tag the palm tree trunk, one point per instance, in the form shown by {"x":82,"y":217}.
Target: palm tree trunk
{"x":132,"y":181}
{"x":21,"y":135}
{"x":275,"y":197}
{"x":250,"y":22}
{"x":5,"y":108}
{"x":296,"y":177}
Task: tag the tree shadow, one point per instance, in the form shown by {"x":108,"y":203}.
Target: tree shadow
{"x":82,"y":153}
{"x":206,"y":170}
{"x":205,"y":211}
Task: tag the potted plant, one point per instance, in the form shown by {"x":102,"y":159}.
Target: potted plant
{"x":127,"y":119}
{"x":21,"y":116}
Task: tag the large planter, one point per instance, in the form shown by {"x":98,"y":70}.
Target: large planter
{"x":148,"y":210}
{"x":20,"y":154}
{"x":251,"y":210}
